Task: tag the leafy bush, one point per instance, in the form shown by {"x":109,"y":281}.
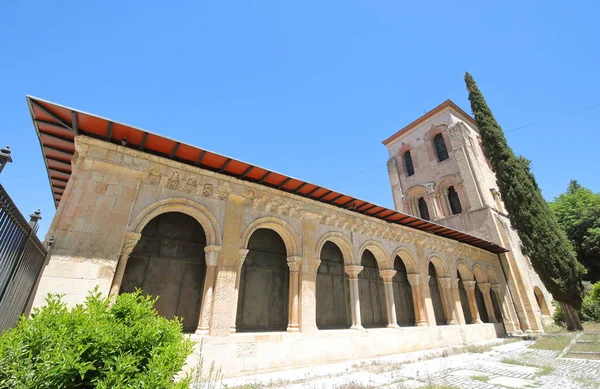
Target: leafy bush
{"x":94,"y":345}
{"x":559,"y":315}
{"x":590,"y":306}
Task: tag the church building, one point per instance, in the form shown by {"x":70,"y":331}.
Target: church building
{"x":271,"y":272}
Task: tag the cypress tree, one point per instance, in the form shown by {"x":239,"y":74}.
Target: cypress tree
{"x":545,"y":243}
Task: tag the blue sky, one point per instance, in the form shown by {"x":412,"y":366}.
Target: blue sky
{"x":309,"y":89}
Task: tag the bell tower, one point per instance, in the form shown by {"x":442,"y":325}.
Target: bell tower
{"x":438,"y":172}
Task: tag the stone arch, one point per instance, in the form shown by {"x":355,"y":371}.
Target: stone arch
{"x":341,"y":241}
{"x":412,"y":197}
{"x":285,"y":231}
{"x":491,"y":275}
{"x":407,"y":257}
{"x":463,"y":269}
{"x":378,"y":251}
{"x":442,"y":191}
{"x":173,"y":244}
{"x":480,"y":275}
{"x":429,"y":136}
{"x":438,"y":263}
{"x":181,"y":205}
{"x":541,"y":301}
{"x":332,"y":296}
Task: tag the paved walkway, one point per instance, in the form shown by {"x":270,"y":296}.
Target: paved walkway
{"x":511,"y":365}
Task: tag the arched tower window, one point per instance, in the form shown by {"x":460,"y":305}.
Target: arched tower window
{"x":454,"y":201}
{"x":440,"y":147}
{"x":423,"y":210}
{"x":408,"y":164}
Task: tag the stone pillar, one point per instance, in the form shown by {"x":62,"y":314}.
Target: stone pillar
{"x":470,"y":288}
{"x":238,"y":274}
{"x":131,"y":240}
{"x":390,"y":304}
{"x":445,"y":284}
{"x":487,"y":299}
{"x":294,"y":263}
{"x":457,"y":304}
{"x":308,"y":278}
{"x":506,"y":317}
{"x":225,"y":293}
{"x":418,"y":302}
{"x":211,"y":258}
{"x":464,"y":202}
{"x":352,"y":271}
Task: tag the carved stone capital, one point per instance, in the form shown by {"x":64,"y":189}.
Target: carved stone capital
{"x":445,"y":282}
{"x":469,"y":285}
{"x":387,"y":274}
{"x":352,"y":271}
{"x":484,"y":287}
{"x":414,"y":279}
{"x":497,"y":288}
{"x":131,"y":239}
{"x":212,"y":254}
{"x":294,"y":263}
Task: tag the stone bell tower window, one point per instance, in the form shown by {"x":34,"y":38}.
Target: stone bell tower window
{"x":408,"y":164}
{"x":440,"y":147}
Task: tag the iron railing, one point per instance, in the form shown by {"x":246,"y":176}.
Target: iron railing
{"x":22,"y":258}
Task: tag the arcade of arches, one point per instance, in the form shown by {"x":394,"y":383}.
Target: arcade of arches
{"x":168,"y":262}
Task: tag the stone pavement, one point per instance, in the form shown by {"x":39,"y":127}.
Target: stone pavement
{"x":512,"y":365}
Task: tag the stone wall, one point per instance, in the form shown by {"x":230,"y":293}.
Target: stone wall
{"x":94,"y":249}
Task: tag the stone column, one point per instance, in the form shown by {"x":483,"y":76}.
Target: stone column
{"x":211,"y":258}
{"x":352,"y":271}
{"x":487,"y":299}
{"x":390,"y":304}
{"x":457,"y":304}
{"x":131,"y":240}
{"x":294,"y":263}
{"x":464,"y":202}
{"x":470,"y":288}
{"x":238,"y":274}
{"x":445,"y":284}
{"x":225,"y":292}
{"x":418,"y":303}
{"x":506,"y":317}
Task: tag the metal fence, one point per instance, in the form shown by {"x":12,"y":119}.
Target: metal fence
{"x":22,"y":258}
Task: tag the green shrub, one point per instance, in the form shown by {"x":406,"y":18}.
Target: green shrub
{"x":590,"y":306}
{"x":94,"y":345}
{"x":559,"y":315}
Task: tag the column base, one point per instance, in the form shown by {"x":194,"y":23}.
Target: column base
{"x":293,"y":328}
{"x":393,"y":325}
{"x":201,"y":331}
{"x":357,"y":327}
{"x":422,"y":324}
{"x":232,"y":330}
{"x":478,"y":321}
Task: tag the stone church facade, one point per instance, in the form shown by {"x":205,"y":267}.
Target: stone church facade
{"x":270,"y":278}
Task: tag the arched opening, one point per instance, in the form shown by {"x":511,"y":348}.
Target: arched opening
{"x":539,"y":297}
{"x":454,"y":201}
{"x":483,"y":314}
{"x":332,"y":294}
{"x":436,"y":297}
{"x":440,"y":148}
{"x":264,"y":284}
{"x":423,"y":210}
{"x":464,"y":299}
{"x":408,"y":164}
{"x":405,"y":312}
{"x":168,"y":262}
{"x":370,"y":292}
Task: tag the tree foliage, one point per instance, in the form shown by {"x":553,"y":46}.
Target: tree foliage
{"x":543,"y":240}
{"x":578,"y":212}
{"x":94,"y":345}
